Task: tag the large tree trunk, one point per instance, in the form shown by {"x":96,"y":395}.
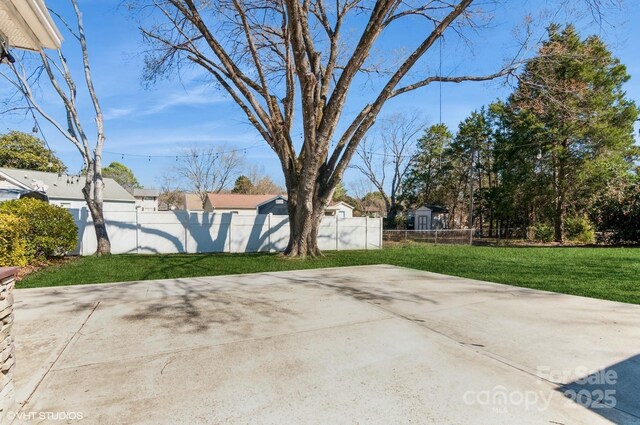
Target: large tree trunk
{"x":92,"y":192}
{"x":305,"y":214}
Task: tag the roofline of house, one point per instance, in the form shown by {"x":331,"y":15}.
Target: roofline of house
{"x":341,"y":202}
{"x":14,"y":181}
{"x":269,"y":200}
{"x":62,"y":198}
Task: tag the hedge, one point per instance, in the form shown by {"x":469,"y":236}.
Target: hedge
{"x":13,"y":241}
{"x":51,"y":230}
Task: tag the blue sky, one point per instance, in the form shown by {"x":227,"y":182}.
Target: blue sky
{"x":177,"y":113}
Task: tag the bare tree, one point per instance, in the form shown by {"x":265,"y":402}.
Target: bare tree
{"x":171,"y":196}
{"x":261,"y":184}
{"x":280,"y":58}
{"x":58,"y":74}
{"x":207,"y":170}
{"x":385,"y":156}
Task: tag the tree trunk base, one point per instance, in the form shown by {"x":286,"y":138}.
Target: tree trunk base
{"x":302,"y":254}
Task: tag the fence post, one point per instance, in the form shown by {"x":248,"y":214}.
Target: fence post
{"x":137,"y":231}
{"x":337,"y":234}
{"x":406,"y":235}
{"x":186,"y":233}
{"x":229,"y":232}
{"x":470,"y":236}
{"x":269,"y":233}
{"x":436,"y":242}
{"x":366,"y":232}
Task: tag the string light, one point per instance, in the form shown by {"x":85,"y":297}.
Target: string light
{"x":177,"y":157}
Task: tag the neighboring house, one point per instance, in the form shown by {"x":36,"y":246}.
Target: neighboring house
{"x":341,"y":209}
{"x":146,"y":199}
{"x":192,"y":202}
{"x":277,"y":205}
{"x":240,"y":204}
{"x":61,"y":189}
{"x":431,"y":217}
{"x":254,"y":204}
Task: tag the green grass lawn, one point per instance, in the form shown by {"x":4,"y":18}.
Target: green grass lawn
{"x":607,"y":273}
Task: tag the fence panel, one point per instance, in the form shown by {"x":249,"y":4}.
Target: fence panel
{"x":199,"y":232}
{"x":351,"y":233}
{"x":208,"y":232}
{"x":161,"y":232}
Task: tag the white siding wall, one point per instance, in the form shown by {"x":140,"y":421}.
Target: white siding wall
{"x":147,"y":204}
{"x":193,"y":232}
{"x":343,"y":211}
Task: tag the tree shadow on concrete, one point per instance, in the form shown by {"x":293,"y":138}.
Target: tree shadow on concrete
{"x":612,"y":392}
{"x":185,"y":307}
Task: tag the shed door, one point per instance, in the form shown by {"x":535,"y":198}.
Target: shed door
{"x":423,"y":222}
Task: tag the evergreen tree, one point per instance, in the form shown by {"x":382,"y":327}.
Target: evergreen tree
{"x":123,"y":175}
{"x":424,"y":180}
{"x":571,"y":106}
{"x":243,"y":185}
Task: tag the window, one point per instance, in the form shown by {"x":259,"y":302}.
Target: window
{"x":279,"y":201}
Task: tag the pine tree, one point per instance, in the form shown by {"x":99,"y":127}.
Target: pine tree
{"x":571,"y":106}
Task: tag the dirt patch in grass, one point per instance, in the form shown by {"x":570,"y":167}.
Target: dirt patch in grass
{"x":43,"y":264}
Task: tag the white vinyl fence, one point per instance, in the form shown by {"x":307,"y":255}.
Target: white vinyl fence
{"x":195,"y":232}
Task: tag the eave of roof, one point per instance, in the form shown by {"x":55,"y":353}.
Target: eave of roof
{"x":28,"y":25}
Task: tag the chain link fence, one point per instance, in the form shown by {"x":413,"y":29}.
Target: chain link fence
{"x":442,"y":236}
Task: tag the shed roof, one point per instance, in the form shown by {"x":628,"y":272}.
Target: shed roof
{"x":435,"y":208}
{"x":62,"y":186}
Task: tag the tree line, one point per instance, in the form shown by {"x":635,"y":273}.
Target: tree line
{"x":556,"y":159}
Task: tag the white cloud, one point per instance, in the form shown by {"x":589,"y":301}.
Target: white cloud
{"x":115,"y":113}
{"x":165,"y":100}
{"x":199,"y":95}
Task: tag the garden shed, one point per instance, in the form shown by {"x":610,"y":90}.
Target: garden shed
{"x":431,"y":217}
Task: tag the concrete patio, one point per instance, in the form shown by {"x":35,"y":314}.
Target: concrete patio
{"x":375,"y":344}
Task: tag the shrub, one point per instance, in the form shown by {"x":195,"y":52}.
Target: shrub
{"x":51,"y":230}
{"x":400,"y":222}
{"x":543,"y":232}
{"x":579,"y":229}
{"x":13,"y":241}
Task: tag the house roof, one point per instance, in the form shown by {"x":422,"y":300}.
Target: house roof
{"x":146,"y":192}
{"x":61,"y":186}
{"x":235,"y":200}
{"x":435,"y":208}
{"x":335,"y":204}
{"x":271,"y":199}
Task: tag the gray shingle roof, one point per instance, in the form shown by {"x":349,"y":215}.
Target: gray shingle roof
{"x":146,"y":192}
{"x":63,"y":186}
